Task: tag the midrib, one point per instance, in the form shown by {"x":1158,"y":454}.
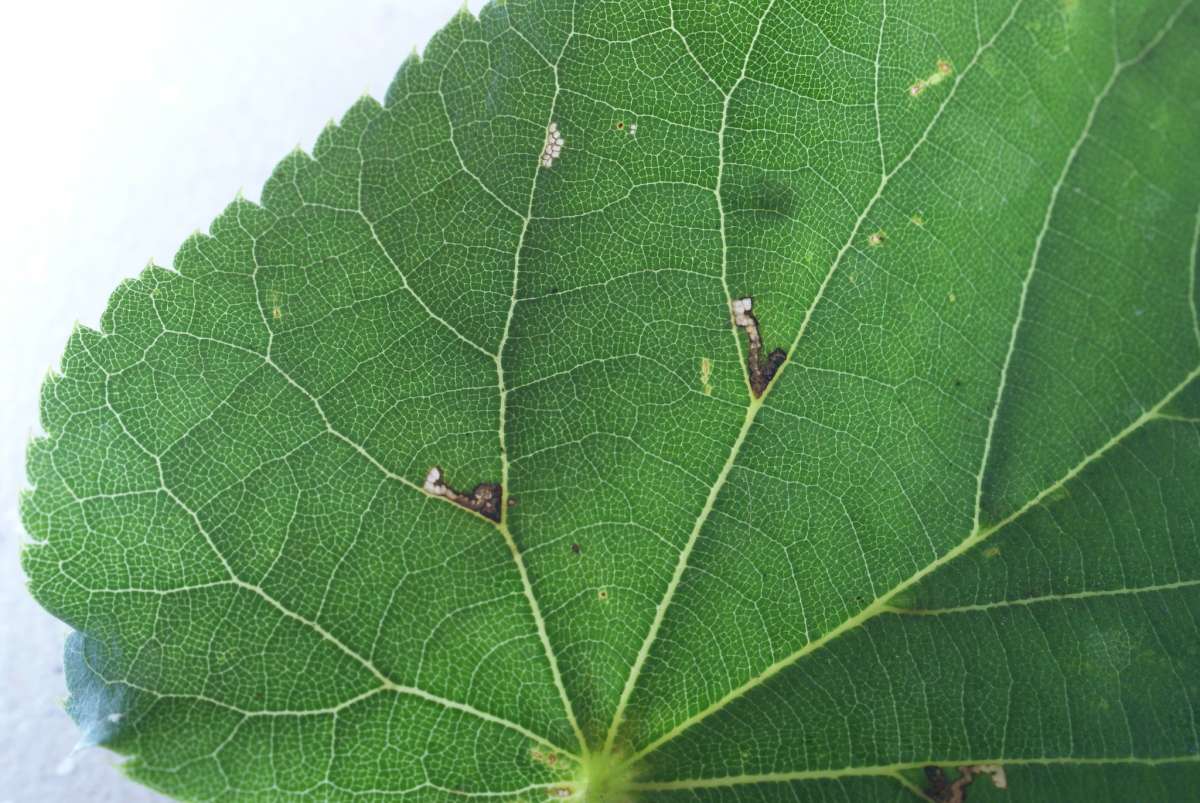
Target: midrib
{"x":752,"y":406}
{"x":503,"y":391}
{"x":756,"y":404}
{"x":978,"y":533}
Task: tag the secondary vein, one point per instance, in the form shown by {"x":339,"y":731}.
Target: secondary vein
{"x":1118,"y":68}
{"x":890,"y":770}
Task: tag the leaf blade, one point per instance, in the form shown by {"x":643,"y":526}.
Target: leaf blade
{"x":237,"y":462}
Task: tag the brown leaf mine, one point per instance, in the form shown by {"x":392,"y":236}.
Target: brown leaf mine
{"x":484,"y":499}
{"x":941,"y":790}
{"x":761,"y":370}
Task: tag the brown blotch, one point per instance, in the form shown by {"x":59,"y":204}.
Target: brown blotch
{"x":941,"y":790}
{"x":621,"y":126}
{"x":576,"y":548}
{"x":761,"y":370}
{"x":484,"y":499}
{"x":936,"y":783}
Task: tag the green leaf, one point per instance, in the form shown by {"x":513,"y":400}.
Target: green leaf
{"x":953,"y":543}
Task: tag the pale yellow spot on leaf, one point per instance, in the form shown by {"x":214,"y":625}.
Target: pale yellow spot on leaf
{"x":706,"y":375}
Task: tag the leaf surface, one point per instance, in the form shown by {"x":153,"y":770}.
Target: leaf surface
{"x":959,"y":528}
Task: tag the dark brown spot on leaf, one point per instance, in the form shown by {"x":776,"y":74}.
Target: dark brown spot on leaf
{"x":485,"y":499}
{"x":576,"y":548}
{"x":775,"y":359}
{"x":936,"y":783}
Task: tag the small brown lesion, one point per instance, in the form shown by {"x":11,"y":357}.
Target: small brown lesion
{"x":485,"y":499}
{"x":760,"y":369}
{"x":550,"y":759}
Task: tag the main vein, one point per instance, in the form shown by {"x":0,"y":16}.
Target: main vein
{"x":505,"y":471}
{"x":752,"y":408}
{"x":978,"y":532}
{"x":755,"y":404}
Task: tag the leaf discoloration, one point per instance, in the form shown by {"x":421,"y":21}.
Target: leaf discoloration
{"x":552,"y":149}
{"x":706,"y":375}
{"x":942,"y":790}
{"x":944,"y":70}
{"x":484,"y":499}
{"x":761,"y":370}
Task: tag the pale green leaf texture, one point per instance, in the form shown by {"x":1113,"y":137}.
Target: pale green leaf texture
{"x":960,"y":527}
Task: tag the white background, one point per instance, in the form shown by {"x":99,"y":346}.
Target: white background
{"x":125,"y":126}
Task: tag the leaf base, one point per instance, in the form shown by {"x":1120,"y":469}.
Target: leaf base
{"x":604,"y":778}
